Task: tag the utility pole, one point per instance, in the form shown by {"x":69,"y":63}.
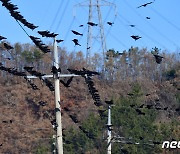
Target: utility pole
{"x":57,"y":102}
{"x":59,"y":140}
{"x":109,"y":126}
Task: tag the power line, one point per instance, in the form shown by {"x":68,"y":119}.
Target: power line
{"x":56,"y":15}
{"x":149,"y":24}
{"x":63,"y":14}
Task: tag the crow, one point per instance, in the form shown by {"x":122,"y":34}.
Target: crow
{"x":140,"y":112}
{"x":76,"y":42}
{"x":110,"y":23}
{"x":158,"y":58}
{"x":136,"y":37}
{"x":42,"y":103}
{"x":74,"y":118}
{"x":59,"y":41}
{"x":148,"y":18}
{"x":76,"y":33}
{"x":7,"y":46}
{"x":109,"y":102}
{"x":81,"y":25}
{"x":144,"y":5}
{"x":141,"y":106}
{"x":132,"y":105}
{"x":54,"y":70}
{"x":132,"y":25}
{"x":67,"y":83}
{"x":92,"y":24}
{"x":149,"y":106}
{"x":88,"y":48}
{"x":2,"y":38}
{"x":165,"y":109}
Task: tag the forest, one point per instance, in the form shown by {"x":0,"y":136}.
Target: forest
{"x":145,"y":96}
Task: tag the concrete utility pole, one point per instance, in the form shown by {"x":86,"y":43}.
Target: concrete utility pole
{"x":57,"y":102}
{"x":109,"y":126}
{"x":59,"y":140}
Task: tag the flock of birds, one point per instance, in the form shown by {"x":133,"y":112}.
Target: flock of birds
{"x":86,"y":74}
{"x":37,"y":41}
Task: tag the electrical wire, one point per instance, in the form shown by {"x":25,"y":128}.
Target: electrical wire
{"x":63,"y":14}
{"x":164,"y":18}
{"x":56,"y":15}
{"x":149,"y":37}
{"x":149,"y":24}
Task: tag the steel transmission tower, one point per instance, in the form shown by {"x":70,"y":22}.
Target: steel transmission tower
{"x":95,"y":16}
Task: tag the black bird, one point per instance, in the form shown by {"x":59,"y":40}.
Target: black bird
{"x":81,"y":25}
{"x":132,"y":105}
{"x":110,"y":23}
{"x":88,"y":48}
{"x":149,"y":106}
{"x":165,"y":108}
{"x":57,"y":110}
{"x":67,"y":83}
{"x":140,"y":112}
{"x":76,"y":33}
{"x":7,"y":46}
{"x":148,"y":18}
{"x":132,"y":25}
{"x":54,"y":70}
{"x":92,"y":24}
{"x":144,"y":5}
{"x":76,"y":42}
{"x":136,"y":37}
{"x":42,"y":103}
{"x":47,"y":34}
{"x":59,"y":41}
{"x":109,"y":102}
{"x":2,"y":38}
{"x":141,"y":106}
{"x":74,"y":118}
{"x":158,"y":58}
{"x":148,"y":94}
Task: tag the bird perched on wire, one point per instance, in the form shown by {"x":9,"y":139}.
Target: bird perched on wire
{"x":110,"y":23}
{"x":54,"y":70}
{"x":144,"y":5}
{"x":67,"y":83}
{"x":136,"y":37}
{"x":76,"y":42}
{"x":76,"y":33}
{"x":92,"y":24}
{"x":2,"y":38}
{"x":109,"y":102}
{"x":7,"y":46}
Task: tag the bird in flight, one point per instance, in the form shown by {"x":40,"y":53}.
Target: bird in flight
{"x":67,"y":83}
{"x":59,"y":41}
{"x":110,"y":23}
{"x":144,"y":5}
{"x":76,"y":33}
{"x":76,"y":42}
{"x":132,"y":25}
{"x":148,"y":18}
{"x":92,"y":24}
{"x":81,"y":25}
{"x":2,"y":38}
{"x":136,"y":37}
